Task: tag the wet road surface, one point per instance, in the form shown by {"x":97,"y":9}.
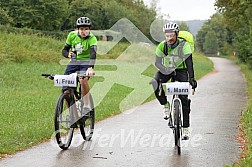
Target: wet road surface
{"x":140,"y":137}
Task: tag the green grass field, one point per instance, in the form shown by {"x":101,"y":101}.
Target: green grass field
{"x":27,"y":100}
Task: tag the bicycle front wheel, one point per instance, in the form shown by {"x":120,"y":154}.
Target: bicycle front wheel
{"x":87,"y":127}
{"x":63,"y":121}
{"x":177,"y":123}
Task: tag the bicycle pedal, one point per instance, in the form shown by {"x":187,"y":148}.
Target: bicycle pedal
{"x":185,"y":138}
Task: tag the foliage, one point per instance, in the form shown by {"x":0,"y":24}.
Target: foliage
{"x":237,"y":16}
{"x":211,"y":44}
{"x":59,"y":15}
{"x":221,"y":32}
{"x":43,"y":14}
{"x":5,"y":18}
{"x":183,"y":26}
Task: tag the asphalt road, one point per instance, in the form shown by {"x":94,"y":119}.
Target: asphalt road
{"x":140,"y":137}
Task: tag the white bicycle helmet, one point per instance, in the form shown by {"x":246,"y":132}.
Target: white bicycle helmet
{"x":171,"y":27}
{"x":83,"y":21}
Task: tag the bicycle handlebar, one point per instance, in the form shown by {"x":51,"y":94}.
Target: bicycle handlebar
{"x":51,"y":76}
{"x":46,"y":75}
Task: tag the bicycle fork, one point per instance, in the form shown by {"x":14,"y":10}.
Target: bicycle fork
{"x":171,"y":122}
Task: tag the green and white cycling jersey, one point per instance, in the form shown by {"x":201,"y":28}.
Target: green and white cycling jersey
{"x":81,"y":45}
{"x":179,"y":62}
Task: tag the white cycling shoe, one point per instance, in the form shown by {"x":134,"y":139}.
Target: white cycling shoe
{"x":186,"y":134}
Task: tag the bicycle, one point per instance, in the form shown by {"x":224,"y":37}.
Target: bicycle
{"x":175,"y":121}
{"x":70,"y":111}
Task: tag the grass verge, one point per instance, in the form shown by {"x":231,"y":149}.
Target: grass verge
{"x":246,"y":119}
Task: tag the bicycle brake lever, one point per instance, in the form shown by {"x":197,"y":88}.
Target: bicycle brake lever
{"x":51,"y":77}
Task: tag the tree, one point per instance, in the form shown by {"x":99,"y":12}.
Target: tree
{"x":42,"y":14}
{"x":62,"y":14}
{"x":5,"y":18}
{"x":238,"y":18}
{"x":223,"y":34}
{"x":200,"y":37}
{"x":211,"y":43}
{"x":47,"y":15}
{"x":183,"y":26}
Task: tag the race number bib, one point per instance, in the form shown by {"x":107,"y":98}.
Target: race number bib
{"x":179,"y":88}
{"x":66,"y":80}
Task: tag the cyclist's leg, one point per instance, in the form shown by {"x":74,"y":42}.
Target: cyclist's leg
{"x":186,"y":110}
{"x":71,"y":68}
{"x":155,"y":84}
{"x":85,"y":90}
{"x":182,"y":76}
{"x":85,"y":87}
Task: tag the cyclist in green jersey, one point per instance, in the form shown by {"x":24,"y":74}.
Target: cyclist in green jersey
{"x":182,"y":70}
{"x":81,"y":46}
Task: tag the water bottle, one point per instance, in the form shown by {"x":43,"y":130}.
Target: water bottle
{"x":74,"y":55}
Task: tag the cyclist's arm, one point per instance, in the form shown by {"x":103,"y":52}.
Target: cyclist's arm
{"x":159,"y":58}
{"x":159,"y":64}
{"x":189,"y":65}
{"x":65,"y":50}
{"x":92,"y":55}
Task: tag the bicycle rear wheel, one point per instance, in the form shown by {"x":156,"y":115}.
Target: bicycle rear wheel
{"x":87,"y":127}
{"x":63,"y":121}
{"x":177,"y":123}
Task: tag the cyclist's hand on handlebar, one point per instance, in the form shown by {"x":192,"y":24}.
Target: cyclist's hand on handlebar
{"x":70,"y":54}
{"x":90,"y":72}
{"x":193,"y":83}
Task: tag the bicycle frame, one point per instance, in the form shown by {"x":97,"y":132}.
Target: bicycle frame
{"x":175,"y":89}
{"x":67,"y":115}
{"x":176,"y":116}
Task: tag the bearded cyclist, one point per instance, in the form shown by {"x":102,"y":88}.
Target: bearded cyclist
{"x":81,"y":46}
{"x":183,"y":72}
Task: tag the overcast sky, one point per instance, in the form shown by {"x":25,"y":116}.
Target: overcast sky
{"x":186,"y":9}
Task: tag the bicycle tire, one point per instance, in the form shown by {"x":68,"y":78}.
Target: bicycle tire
{"x":63,"y":121}
{"x":87,"y":128}
{"x":177,"y":128}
